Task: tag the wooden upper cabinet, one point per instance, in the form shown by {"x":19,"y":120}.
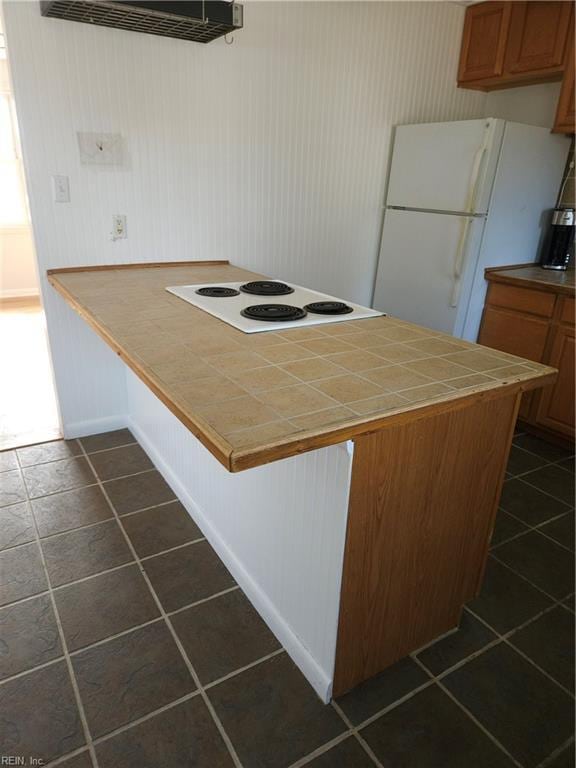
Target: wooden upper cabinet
{"x":538,"y":37}
{"x":565,"y":121}
{"x":484,"y":41}
{"x":514,"y":43}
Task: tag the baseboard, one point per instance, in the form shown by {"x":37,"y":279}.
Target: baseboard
{"x":94,"y":426}
{"x":291,"y":643}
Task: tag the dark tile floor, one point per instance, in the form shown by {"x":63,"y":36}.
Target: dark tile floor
{"x":125,"y":643}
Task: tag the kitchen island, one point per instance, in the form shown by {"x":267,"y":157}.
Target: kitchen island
{"x":352,"y":471}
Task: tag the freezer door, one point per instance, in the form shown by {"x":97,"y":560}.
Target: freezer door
{"x":426,"y":266}
{"x":445,"y":166}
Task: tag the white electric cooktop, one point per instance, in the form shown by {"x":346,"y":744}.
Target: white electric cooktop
{"x":269,"y":305}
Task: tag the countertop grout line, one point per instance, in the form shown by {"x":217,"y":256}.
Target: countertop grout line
{"x":64,"y":645}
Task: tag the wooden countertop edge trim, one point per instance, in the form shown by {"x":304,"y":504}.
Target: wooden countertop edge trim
{"x":220,"y":449}
{"x":136,"y":265}
{"x":493,"y":275}
{"x":283,"y":449}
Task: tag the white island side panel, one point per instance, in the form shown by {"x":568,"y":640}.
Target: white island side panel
{"x":279,"y":528}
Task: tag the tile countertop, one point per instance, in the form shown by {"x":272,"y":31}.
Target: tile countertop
{"x":533,"y":276}
{"x":255,"y":398}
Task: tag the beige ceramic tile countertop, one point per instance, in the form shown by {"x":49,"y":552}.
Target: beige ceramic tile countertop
{"x":533,"y":276}
{"x":255,"y":398}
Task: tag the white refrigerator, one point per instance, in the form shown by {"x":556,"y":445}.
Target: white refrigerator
{"x":462,"y":196}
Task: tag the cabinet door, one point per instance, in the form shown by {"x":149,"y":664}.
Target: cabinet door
{"x":556,"y":406}
{"x":538,"y":37}
{"x":565,"y":115}
{"x":484,"y":41}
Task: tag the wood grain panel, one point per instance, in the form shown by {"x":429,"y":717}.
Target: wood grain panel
{"x":565,"y":121}
{"x":522,"y":335}
{"x":538,"y":36}
{"x":556,"y":402}
{"x":522,"y":299}
{"x":567,"y":311}
{"x":484,"y":41}
{"x":422,"y":506}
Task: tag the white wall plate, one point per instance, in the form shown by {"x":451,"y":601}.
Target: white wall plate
{"x":100,"y":148}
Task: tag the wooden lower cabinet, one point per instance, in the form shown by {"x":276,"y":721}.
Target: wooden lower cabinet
{"x":555,"y":407}
{"x":538,"y":325}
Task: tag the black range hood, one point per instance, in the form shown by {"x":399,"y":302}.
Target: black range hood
{"x":198,"y":21}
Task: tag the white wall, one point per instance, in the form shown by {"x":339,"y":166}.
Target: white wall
{"x":271,"y":152}
{"x":279,"y":528}
{"x":532,"y":104}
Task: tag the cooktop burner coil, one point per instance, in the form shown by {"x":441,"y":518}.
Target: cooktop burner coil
{"x":328,"y":308}
{"x":218,"y":291}
{"x":266,"y":288}
{"x":275,"y":313}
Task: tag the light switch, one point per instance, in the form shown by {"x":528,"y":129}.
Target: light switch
{"x":100,"y":148}
{"x":61,"y":189}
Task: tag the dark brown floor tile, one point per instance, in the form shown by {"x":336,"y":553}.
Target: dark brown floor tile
{"x":127,"y":677}
{"x":186,"y":575}
{"x":160,"y":528}
{"x":129,"y":494}
{"x":57,"y":476}
{"x":12,"y":489}
{"x":541,"y":561}
{"x":567,"y":464}
{"x":83,"y":760}
{"x":520,"y":461}
{"x":43,"y":452}
{"x":104,"y":605}
{"x":506,"y":527}
{"x":222,"y":635}
{"x":554,"y":480}
{"x":569,"y":602}
{"x":429,"y":730}
{"x":8,"y":461}
{"x":382,"y":690}
{"x":565,"y":759}
{"x":548,"y":451}
{"x":39,"y":715}
{"x":21,"y":573}
{"x":549,"y":641}
{"x":471,"y":636}
{"x":529,"y":504}
{"x":86,"y":551}
{"x":107,"y":440}
{"x":28,"y":636}
{"x":16,"y":525}
{"x":120,"y":461}
{"x":272,"y":715}
{"x":506,"y":600}
{"x":71,"y":509}
{"x":561,"y":530}
{"x":181,"y":737}
{"x":347,"y":754}
{"x":522,"y":708}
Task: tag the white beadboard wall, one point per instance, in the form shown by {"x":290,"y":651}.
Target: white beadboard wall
{"x":271,"y":152}
{"x":280,"y":528}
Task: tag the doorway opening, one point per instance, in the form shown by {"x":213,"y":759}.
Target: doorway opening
{"x":28,"y":405}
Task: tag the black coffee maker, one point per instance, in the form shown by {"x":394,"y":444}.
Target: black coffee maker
{"x":558,"y":247}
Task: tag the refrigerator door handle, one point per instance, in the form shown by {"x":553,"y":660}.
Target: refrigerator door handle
{"x":475,"y":176}
{"x":459,"y":262}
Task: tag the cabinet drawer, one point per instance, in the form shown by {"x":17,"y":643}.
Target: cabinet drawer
{"x":521,"y":299}
{"x":567,"y":311}
{"x":520,"y":335}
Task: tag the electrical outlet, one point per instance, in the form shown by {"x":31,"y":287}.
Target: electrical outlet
{"x":61,"y":189}
{"x":119,"y":226}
